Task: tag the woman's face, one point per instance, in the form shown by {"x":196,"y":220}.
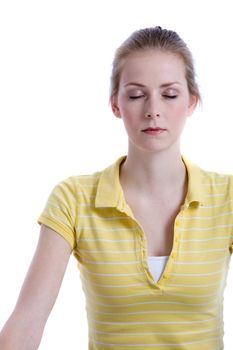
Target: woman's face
{"x":153,"y":99}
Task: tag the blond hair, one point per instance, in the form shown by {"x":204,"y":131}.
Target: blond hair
{"x":154,"y":38}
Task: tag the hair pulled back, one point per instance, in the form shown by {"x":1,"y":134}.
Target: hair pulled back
{"x":154,"y":38}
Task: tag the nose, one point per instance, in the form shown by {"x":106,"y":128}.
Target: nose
{"x":153,"y":108}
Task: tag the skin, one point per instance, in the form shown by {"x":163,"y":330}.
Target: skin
{"x":153,"y":92}
{"x":23,"y":330}
{"x":157,"y":80}
{"x":153,"y":82}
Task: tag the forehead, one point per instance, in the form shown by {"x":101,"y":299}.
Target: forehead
{"x":152,"y":64}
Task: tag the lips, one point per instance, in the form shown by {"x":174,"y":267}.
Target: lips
{"x":155,"y":132}
{"x":154,"y":129}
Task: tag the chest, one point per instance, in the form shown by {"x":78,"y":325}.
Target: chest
{"x":157,"y":219}
{"x":111,"y":253}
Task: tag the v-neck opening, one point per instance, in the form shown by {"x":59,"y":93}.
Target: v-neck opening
{"x":158,"y":285}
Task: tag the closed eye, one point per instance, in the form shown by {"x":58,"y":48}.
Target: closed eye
{"x":170,"y":96}
{"x":135,"y":97}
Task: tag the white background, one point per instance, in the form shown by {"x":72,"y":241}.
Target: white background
{"x":55,"y":61}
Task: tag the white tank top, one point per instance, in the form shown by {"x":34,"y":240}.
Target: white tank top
{"x":157,"y":265}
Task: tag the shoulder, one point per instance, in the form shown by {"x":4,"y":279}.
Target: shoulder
{"x":208,"y":186}
{"x":202,"y":175}
{"x":89,"y":182}
{"x":218,"y":179}
{"x":78,"y":184}
{"x":218,"y":185}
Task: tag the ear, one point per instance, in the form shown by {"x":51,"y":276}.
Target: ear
{"x":193,"y":100}
{"x":115,"y":108}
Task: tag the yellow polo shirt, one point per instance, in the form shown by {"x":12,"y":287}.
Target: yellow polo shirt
{"x":126,"y":308}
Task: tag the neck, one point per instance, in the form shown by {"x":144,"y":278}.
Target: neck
{"x":160,"y":172}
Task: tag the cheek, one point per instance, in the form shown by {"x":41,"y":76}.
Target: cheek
{"x":179,"y":113}
{"x":129,"y":122}
{"x":178,"y":119}
{"x":129,"y":114}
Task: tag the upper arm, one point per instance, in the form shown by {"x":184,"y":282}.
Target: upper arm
{"x":39,"y":291}
{"x":45,"y":274}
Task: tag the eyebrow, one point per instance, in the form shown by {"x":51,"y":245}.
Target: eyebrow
{"x":162,"y":86}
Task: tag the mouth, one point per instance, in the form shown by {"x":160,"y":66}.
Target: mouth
{"x":154,"y":129}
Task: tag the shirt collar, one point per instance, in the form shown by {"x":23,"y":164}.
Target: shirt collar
{"x":110,"y":194}
{"x":109,"y":191}
{"x":195,"y":195}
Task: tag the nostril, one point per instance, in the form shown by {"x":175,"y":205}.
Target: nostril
{"x":151,"y":115}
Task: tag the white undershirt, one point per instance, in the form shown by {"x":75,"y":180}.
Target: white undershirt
{"x":157,"y":265}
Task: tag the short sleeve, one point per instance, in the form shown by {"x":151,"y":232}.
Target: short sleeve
{"x":59,"y":213}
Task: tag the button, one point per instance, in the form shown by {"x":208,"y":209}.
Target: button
{"x":177,"y":223}
{"x":165,"y":277}
{"x":173,"y":255}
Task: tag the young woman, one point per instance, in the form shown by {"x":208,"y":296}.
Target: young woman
{"x":153,"y":233}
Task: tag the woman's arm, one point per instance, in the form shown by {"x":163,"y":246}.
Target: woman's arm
{"x":24,"y":328}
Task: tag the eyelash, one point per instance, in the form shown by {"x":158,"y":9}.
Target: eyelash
{"x":165,"y":96}
{"x":135,"y":97}
{"x":170,"y":96}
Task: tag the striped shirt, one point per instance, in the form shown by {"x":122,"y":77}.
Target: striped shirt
{"x":126,"y":307}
